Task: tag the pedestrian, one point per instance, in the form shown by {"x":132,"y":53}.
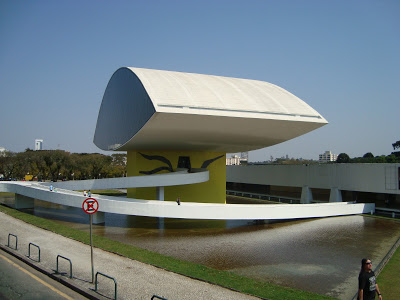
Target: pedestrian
{"x":367,"y":286}
{"x":178,"y":201}
{"x":90,"y":193}
{"x":84,"y":193}
{"x":51,"y":187}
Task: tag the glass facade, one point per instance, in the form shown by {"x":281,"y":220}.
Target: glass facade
{"x":125,"y":109}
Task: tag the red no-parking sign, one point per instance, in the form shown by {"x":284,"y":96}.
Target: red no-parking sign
{"x":90,"y":206}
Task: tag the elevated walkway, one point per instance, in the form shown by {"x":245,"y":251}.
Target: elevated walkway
{"x":65,"y":195}
{"x":394,"y":213}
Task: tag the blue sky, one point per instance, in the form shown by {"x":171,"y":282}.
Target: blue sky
{"x":341,"y":57}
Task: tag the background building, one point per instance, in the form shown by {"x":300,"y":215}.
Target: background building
{"x":379,"y":183}
{"x":38,"y":144}
{"x":2,"y":151}
{"x":327,"y":156}
{"x":234,"y":160}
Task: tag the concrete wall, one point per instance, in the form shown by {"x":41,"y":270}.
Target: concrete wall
{"x":374,"y":178}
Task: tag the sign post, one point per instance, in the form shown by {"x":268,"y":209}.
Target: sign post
{"x":90,"y":206}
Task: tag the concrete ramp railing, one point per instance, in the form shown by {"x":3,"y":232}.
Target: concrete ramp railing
{"x":168,"y":179}
{"x":66,"y":195}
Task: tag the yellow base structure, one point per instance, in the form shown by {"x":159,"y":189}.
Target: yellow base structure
{"x":213,"y":191}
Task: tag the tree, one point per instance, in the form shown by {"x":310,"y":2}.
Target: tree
{"x":98,"y":164}
{"x":381,"y":159}
{"x":59,"y":159}
{"x":343,"y":158}
{"x":69,"y":167}
{"x":396,"y":145}
{"x":39,"y":166}
{"x":24,"y":165}
{"x":8,"y":165}
{"x":368,"y":155}
{"x":81,"y":165}
{"x":118,"y":165}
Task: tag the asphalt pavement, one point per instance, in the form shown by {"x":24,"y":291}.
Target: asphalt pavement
{"x":134,"y":280}
{"x":19,"y":281}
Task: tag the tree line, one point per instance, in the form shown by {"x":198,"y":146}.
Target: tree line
{"x":368,"y":157}
{"x":61,"y":165}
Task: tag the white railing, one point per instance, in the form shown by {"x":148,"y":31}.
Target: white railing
{"x":65,"y":195}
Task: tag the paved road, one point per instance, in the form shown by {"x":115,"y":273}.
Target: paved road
{"x":20,"y":281}
{"x":135,"y":280}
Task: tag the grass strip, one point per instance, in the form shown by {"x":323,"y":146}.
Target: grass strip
{"x":381,"y":217}
{"x":6,"y":194}
{"x":388,"y":279}
{"x":108,"y":192}
{"x":223,"y":278}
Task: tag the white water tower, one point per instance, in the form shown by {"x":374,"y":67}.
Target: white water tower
{"x":38,"y":144}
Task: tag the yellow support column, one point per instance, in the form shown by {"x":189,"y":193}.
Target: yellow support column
{"x":212,"y":191}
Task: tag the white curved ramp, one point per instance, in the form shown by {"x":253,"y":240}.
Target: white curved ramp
{"x":187,"y":210}
{"x":156,"y":180}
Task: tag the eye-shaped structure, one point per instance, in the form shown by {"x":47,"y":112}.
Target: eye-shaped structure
{"x":165,"y":119}
{"x":145,"y":109}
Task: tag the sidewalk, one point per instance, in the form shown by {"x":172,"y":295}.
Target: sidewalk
{"x":135,"y":280}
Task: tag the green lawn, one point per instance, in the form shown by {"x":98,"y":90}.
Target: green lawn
{"x":6,"y":194}
{"x":388,"y":280}
{"x":108,"y":192}
{"x":223,"y":278}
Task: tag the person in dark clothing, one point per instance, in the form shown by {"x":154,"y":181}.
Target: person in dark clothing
{"x":367,"y":286}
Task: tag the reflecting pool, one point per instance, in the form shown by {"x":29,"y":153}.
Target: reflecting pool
{"x":317,"y":255}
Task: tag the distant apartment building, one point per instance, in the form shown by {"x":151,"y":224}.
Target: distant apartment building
{"x":234,"y":160}
{"x":327,"y":157}
{"x":2,"y":151}
{"x":38,"y":144}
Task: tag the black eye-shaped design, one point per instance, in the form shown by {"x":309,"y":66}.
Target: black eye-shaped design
{"x":169,"y":165}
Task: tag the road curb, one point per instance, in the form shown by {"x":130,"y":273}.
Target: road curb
{"x":88,"y":293}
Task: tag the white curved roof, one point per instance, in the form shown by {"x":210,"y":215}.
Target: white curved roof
{"x":145,"y":109}
{"x":217,"y":95}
